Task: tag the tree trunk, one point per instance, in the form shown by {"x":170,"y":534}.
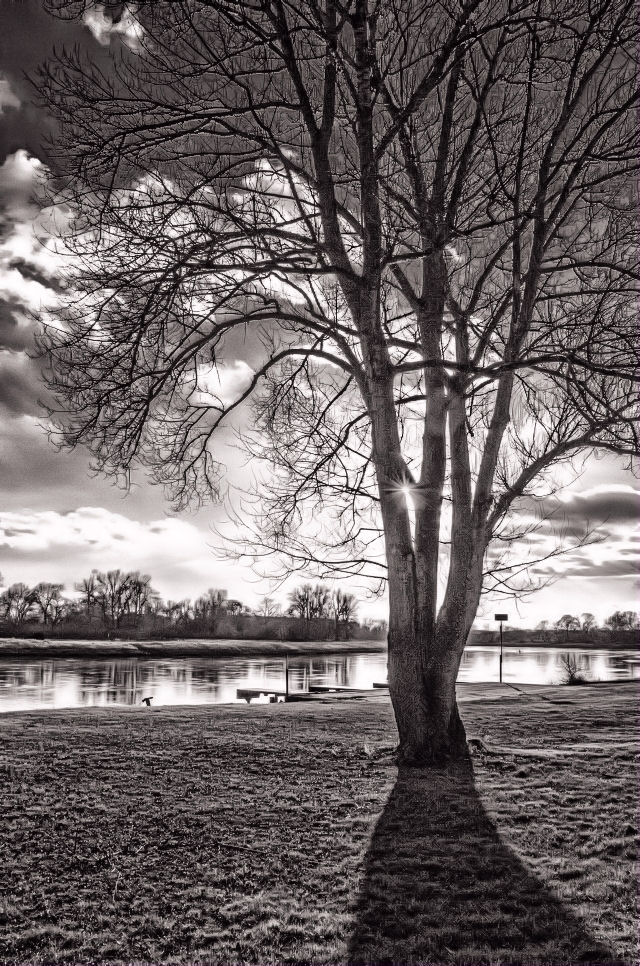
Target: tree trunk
{"x":423,"y":695}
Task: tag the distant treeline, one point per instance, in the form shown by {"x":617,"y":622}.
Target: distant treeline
{"x":597,"y":636}
{"x":622,"y":628}
{"x":124,"y":604}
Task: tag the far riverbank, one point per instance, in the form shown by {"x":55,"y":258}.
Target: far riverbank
{"x":29,"y":648}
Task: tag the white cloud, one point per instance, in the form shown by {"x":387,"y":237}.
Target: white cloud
{"x":223,"y":383}
{"x":128,"y":29}
{"x":19,"y":173}
{"x":7,"y":96}
{"x":28,"y":292}
{"x":28,"y":259}
{"x":48,"y":545}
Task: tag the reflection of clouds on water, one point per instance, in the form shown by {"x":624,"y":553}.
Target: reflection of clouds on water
{"x":72,"y":683}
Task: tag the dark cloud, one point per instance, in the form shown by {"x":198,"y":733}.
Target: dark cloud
{"x":596,"y":507}
{"x":33,"y":473}
{"x":29,"y":35}
{"x":35,"y":274}
{"x":618,"y":565}
{"x":18,"y":384}
{"x":612,"y":506}
{"x":558,"y":526}
{"x":16,"y":329}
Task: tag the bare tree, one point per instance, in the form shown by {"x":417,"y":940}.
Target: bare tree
{"x":345,"y":608}
{"x":310,"y":602}
{"x":268,"y":607}
{"x":208,"y":606}
{"x":48,"y":598}
{"x":424,"y":214}
{"x":176,"y":611}
{"x":16,"y":603}
{"x":622,"y":620}
{"x":569,"y":623}
{"x":87,"y":588}
{"x":301,"y":602}
{"x":112,"y":594}
{"x":140,"y":595}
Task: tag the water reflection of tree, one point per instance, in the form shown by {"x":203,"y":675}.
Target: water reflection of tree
{"x":441,"y":886}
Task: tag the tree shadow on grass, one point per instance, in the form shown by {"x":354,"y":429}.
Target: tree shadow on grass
{"x":440,"y":886}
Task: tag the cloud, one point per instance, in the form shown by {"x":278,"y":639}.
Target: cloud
{"x":28,"y":263}
{"x":16,"y":328}
{"x":625,"y":563}
{"x":222,"y":383}
{"x":606,"y":509}
{"x":18,"y":383}
{"x":614,"y":504}
{"x":105,"y":28}
{"x":19,"y":173}
{"x":7,"y":96}
{"x":65,"y":547}
{"x":29,"y":283}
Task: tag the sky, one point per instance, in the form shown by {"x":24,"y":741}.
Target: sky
{"x":58,"y":520}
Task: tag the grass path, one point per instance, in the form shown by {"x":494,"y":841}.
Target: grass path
{"x":284,"y":834}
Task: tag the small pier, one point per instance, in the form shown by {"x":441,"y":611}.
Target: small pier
{"x":315,"y":692}
{"x":328,"y":688}
{"x":247,"y":694}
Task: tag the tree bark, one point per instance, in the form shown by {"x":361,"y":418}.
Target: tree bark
{"x":422,"y":686}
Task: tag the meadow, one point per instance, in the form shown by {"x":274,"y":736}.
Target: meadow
{"x":285,"y":834}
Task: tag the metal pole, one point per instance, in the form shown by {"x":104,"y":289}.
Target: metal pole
{"x":500,"y":652}
{"x":286,"y":677}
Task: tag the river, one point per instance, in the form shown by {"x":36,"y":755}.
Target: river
{"x":80,"y":682}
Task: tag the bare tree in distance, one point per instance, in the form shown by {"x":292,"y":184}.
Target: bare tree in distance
{"x":87,"y":588}
{"x":310,"y":602}
{"x":424,"y":217}
{"x":345,"y":609}
{"x":588,"y":623}
{"x":623,"y":620}
{"x":268,"y":607}
{"x":569,"y":623}
{"x":48,"y":598}
{"x":16,"y":603}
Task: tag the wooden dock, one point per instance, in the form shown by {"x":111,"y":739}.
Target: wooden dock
{"x":314,"y":692}
{"x":247,"y":694}
{"x":327,"y":688}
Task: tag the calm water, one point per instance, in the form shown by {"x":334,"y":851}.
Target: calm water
{"x":74,"y":683}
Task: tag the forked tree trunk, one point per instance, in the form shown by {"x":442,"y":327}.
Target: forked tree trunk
{"x":422,"y":686}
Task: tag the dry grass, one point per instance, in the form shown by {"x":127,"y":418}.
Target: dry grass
{"x":283,"y":834}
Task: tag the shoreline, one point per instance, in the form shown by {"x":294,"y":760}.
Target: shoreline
{"x":30,"y":648}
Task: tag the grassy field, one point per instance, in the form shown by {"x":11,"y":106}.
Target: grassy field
{"x":284,"y":834}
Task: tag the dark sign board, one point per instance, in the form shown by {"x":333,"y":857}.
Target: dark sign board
{"x":501,"y":617}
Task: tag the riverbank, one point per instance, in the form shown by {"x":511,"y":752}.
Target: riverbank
{"x":32,"y":648}
{"x":284,"y":834}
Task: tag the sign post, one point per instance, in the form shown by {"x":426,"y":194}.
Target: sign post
{"x":501,"y":618}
